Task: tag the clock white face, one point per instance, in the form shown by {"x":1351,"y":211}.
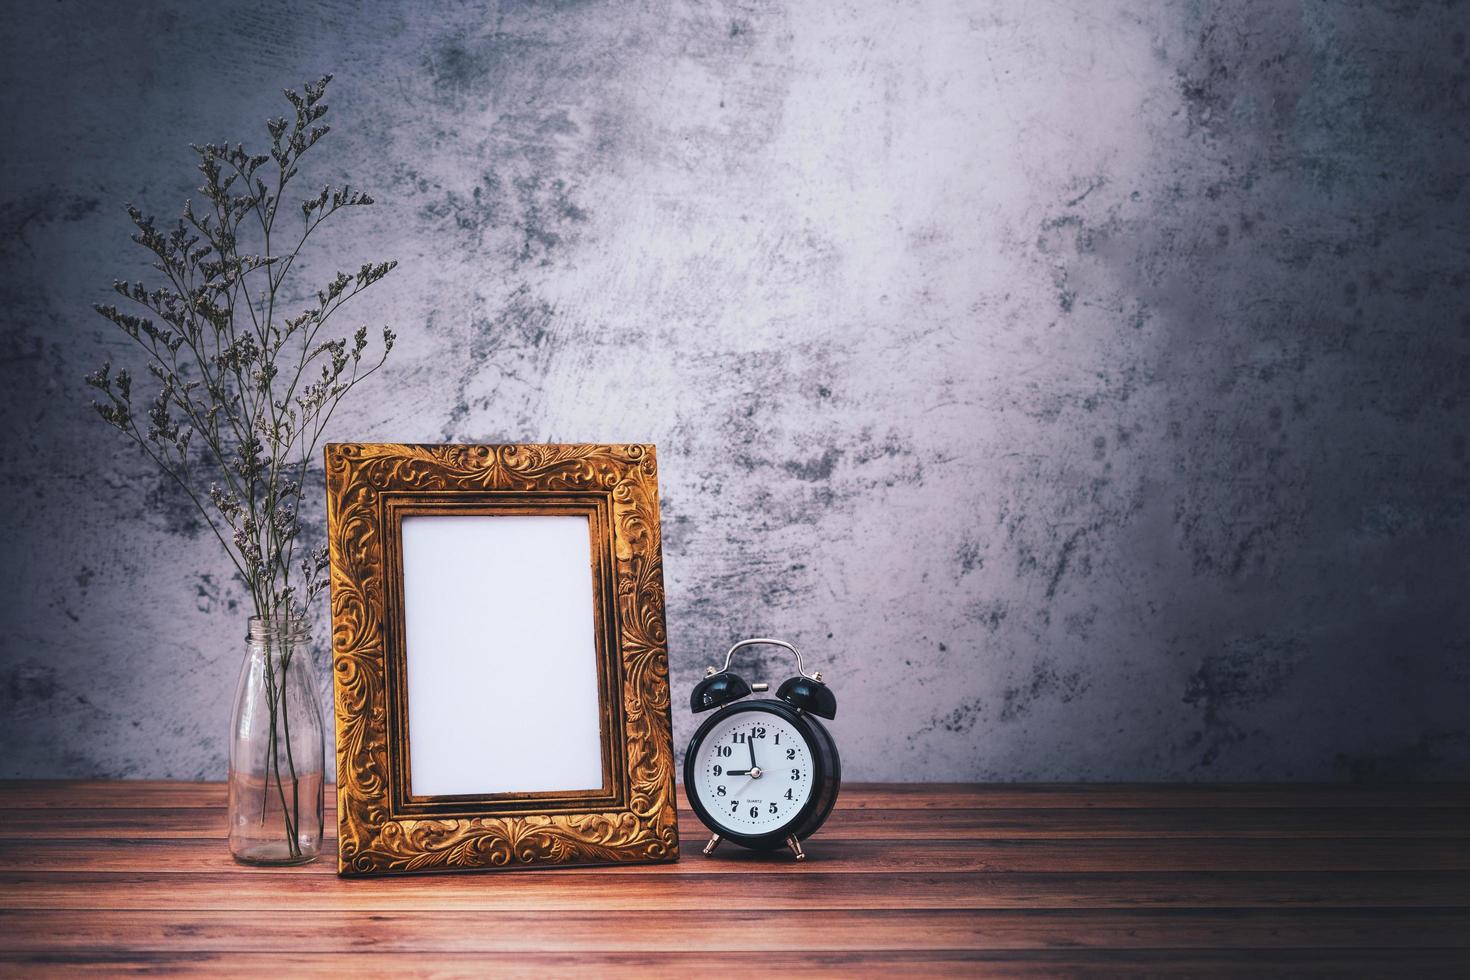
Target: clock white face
{"x":753,"y":772}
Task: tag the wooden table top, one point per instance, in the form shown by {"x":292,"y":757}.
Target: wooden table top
{"x":922,"y":879}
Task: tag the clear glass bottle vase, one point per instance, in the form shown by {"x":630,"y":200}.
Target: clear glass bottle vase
{"x":277,"y":754}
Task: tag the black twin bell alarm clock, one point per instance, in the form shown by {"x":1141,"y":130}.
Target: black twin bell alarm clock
{"x":762,"y":773}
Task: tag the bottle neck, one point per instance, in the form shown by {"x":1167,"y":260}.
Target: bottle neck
{"x":278,"y":631}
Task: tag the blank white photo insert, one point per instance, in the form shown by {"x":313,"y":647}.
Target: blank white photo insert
{"x":501,"y":654}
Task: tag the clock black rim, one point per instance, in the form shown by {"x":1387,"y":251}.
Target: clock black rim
{"x":834,"y":782}
{"x":826,"y":771}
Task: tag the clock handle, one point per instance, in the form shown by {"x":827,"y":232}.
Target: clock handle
{"x":800,"y":669}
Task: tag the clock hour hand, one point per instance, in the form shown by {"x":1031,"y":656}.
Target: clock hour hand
{"x":737,"y":772}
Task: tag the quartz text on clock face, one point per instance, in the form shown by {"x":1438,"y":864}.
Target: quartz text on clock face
{"x":754,"y":772}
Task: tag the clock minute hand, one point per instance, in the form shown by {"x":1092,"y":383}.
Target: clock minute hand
{"x":751,"y":743}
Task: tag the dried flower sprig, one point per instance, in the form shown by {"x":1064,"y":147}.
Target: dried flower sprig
{"x":245,"y":391}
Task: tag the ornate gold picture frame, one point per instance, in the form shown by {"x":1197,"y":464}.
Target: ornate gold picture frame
{"x":457,"y":810}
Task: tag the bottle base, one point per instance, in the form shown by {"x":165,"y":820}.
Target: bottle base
{"x":271,"y":853}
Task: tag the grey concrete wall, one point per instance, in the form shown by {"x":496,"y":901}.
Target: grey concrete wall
{"x":1082,"y":384}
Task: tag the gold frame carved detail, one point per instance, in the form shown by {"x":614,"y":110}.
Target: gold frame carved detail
{"x":384,"y":830}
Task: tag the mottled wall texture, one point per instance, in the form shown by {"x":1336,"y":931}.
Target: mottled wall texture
{"x":1084,"y":385}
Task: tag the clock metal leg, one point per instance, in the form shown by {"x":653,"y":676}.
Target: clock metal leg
{"x":714,"y":842}
{"x":795,"y":846}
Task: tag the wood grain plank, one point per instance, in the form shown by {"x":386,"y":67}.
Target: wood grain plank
{"x":929,"y":880}
{"x":796,"y":889}
{"x":1421,"y":963}
{"x":65,"y":823}
{"x":43,"y":794}
{"x":192,"y":856}
{"x":716,"y":931}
